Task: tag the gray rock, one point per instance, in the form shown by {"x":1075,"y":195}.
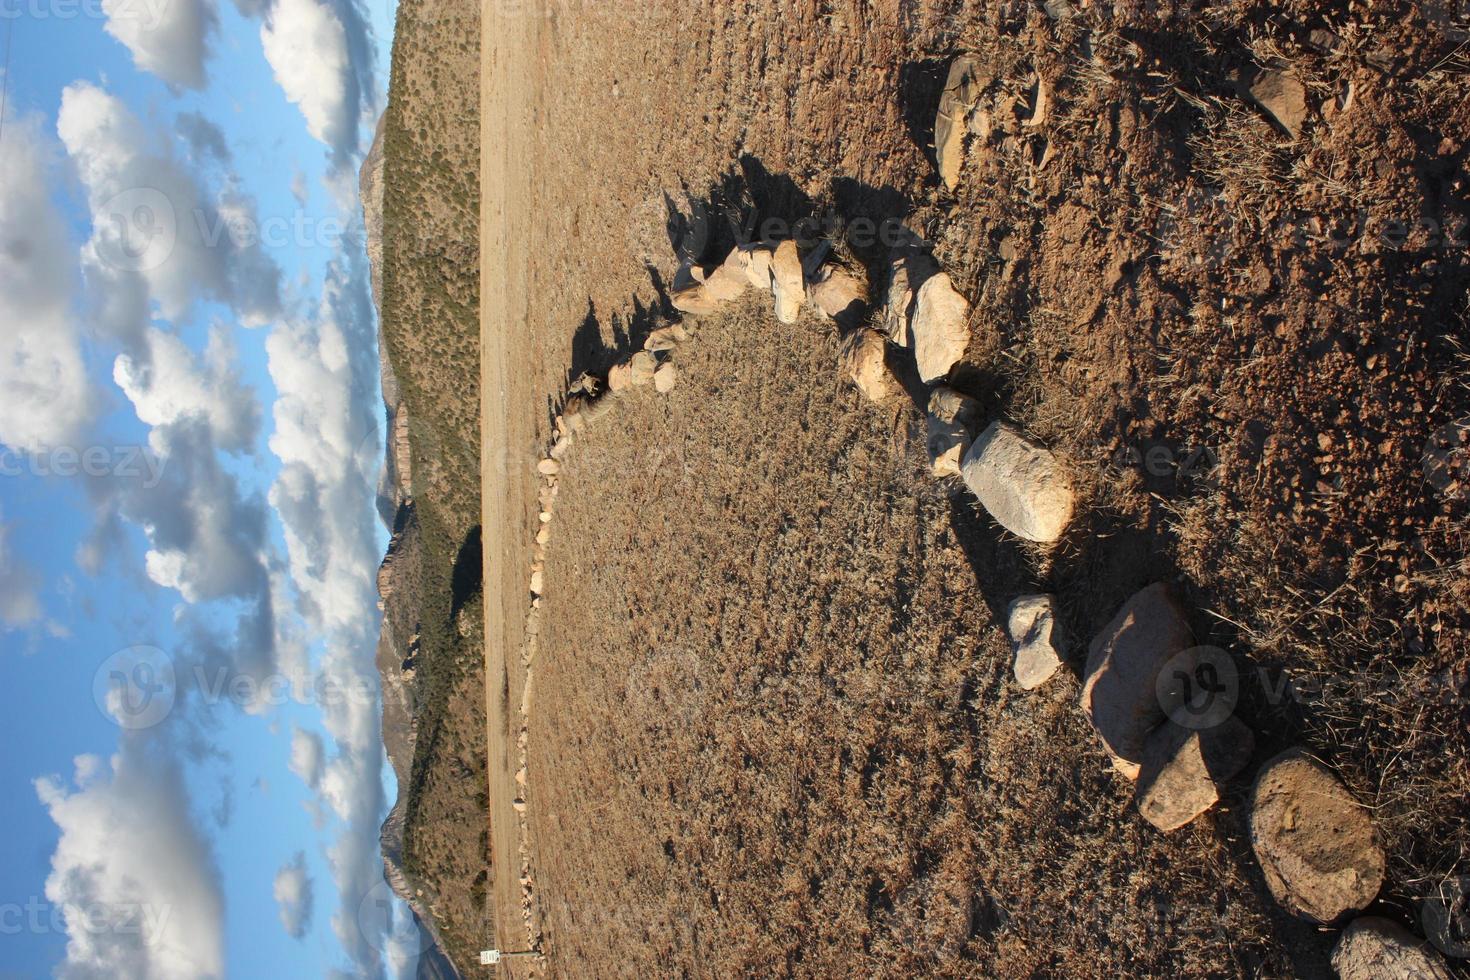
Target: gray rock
{"x":1036,"y":638}
{"x":642,"y":368}
{"x":1375,"y":948}
{"x":940,"y":327}
{"x":864,"y":362}
{"x":1284,"y":99}
{"x":953,"y":419}
{"x":1183,"y":769}
{"x":961,"y":93}
{"x":1119,"y":684}
{"x":1020,"y":483}
{"x":1314,"y":842}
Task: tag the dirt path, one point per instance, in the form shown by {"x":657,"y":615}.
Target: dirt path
{"x":508,"y":90}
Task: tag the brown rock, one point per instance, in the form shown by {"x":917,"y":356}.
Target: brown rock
{"x":910,"y":270}
{"x":1314,"y":842}
{"x":961,"y":93}
{"x":642,"y":368}
{"x":787,"y":282}
{"x":840,"y":295}
{"x":1119,"y":687}
{"x":952,"y":421}
{"x":694,"y":300}
{"x":1182,"y":769}
{"x":1020,"y":484}
{"x":864,"y":361}
{"x":1375,"y":948}
{"x":1284,"y":99}
{"x":619,"y":377}
{"x":666,"y":338}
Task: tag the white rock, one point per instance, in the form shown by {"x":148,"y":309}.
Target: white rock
{"x":1036,"y":638}
{"x":643,"y":365}
{"x":941,"y":327}
{"x":1020,"y":483}
{"x":755,"y":260}
{"x":665,"y":378}
{"x":953,"y":418}
{"x":536,"y":580}
{"x":694,"y":300}
{"x":787,"y":282}
{"x":864,"y":362}
{"x":619,"y":378}
{"x":548,"y":467}
{"x":1375,"y":948}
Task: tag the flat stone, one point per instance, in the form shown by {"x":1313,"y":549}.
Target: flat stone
{"x":1036,"y":639}
{"x":787,"y":282}
{"x":1120,"y":682}
{"x":961,"y":93}
{"x":840,"y":295}
{"x":548,"y":467}
{"x":666,"y":338}
{"x":695,"y":300}
{"x":665,"y":378}
{"x":1314,"y":842}
{"x":1375,"y":948}
{"x":642,"y":367}
{"x":864,"y":362}
{"x":1183,"y":769}
{"x":909,"y":272}
{"x":1284,"y":99}
{"x":952,"y":421}
{"x":1019,"y":483}
{"x":940,"y":328}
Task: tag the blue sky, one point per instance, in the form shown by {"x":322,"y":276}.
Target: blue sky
{"x":189,"y":442}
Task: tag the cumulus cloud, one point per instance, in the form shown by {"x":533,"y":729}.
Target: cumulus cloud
{"x":322,"y":54}
{"x":293,"y":893}
{"x":48,"y":398}
{"x":306,"y":756}
{"x":324,"y":369}
{"x":167,"y":38}
{"x":170,"y":385}
{"x":206,"y":140}
{"x":158,"y":243}
{"x":134,"y":880}
{"x":20,"y":604}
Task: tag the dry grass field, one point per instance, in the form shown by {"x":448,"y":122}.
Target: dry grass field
{"x":773,"y":727}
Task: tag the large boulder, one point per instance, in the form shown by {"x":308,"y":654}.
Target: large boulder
{"x":961,"y":93}
{"x":1375,"y":948}
{"x":1120,"y":683}
{"x":1036,"y":639}
{"x":1183,"y":769}
{"x":953,"y":419}
{"x":940,"y":327}
{"x":864,"y":362}
{"x":1020,"y":483}
{"x":1314,"y":842}
{"x":788,"y":284}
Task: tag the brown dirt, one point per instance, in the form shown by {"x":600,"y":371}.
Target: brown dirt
{"x":854,"y":786}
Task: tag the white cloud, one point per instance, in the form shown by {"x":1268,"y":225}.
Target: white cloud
{"x":20,"y":605}
{"x":169,"y":385}
{"x":47,"y":397}
{"x":158,"y":244}
{"x":293,"y":894}
{"x":306,"y":756}
{"x":322,"y":54}
{"x":131,"y":874}
{"x":168,"y":38}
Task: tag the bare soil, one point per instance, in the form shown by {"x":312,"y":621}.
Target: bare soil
{"x":773,"y":728}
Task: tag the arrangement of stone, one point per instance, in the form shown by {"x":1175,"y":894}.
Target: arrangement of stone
{"x":1314,"y":843}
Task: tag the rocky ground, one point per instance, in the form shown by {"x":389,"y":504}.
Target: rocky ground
{"x":1213,"y":260}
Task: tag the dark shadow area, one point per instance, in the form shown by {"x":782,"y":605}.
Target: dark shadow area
{"x":469,"y":571}
{"x":920,"y":85}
